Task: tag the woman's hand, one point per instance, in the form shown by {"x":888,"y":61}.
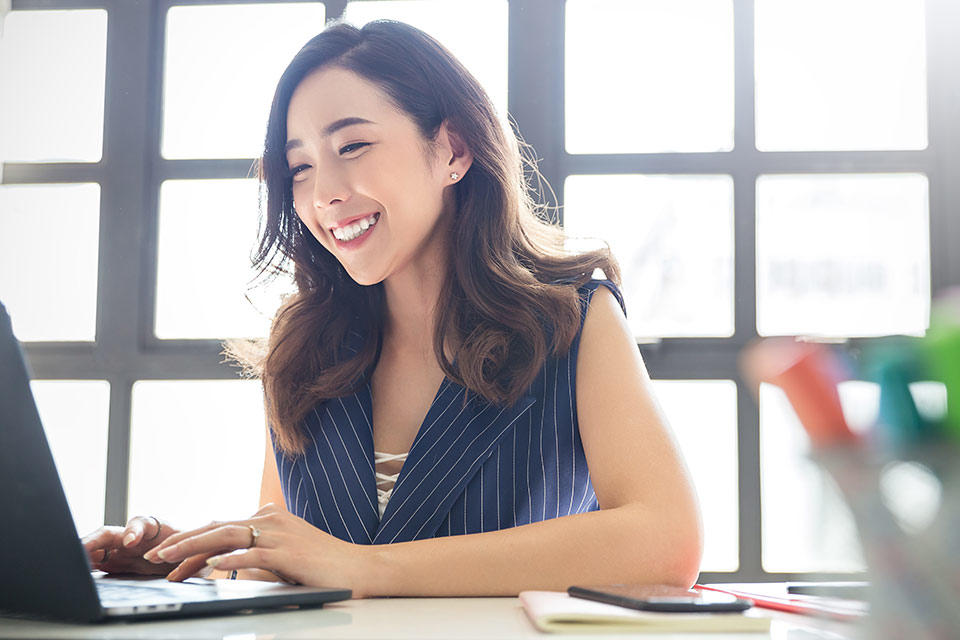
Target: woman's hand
{"x":121,"y":549}
{"x":285,"y":545}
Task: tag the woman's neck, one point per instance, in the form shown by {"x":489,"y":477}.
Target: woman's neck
{"x":411,"y":309}
{"x":413,"y":292}
{"x":411,"y":303}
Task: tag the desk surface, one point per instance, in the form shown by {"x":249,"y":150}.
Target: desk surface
{"x":386,"y":618}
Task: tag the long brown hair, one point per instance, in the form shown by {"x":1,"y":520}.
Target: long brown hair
{"x":510,"y":298}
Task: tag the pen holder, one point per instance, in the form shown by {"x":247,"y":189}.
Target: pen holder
{"x":914,"y":577}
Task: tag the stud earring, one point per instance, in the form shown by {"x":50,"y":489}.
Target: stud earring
{"x":454,"y":175}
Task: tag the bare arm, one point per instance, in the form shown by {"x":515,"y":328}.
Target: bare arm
{"x":270,"y":492}
{"x":647,"y":531}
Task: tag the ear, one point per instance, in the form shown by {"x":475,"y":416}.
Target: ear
{"x":454,"y":152}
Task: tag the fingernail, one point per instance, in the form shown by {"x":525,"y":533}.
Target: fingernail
{"x":214,"y":561}
{"x":166,"y":554}
{"x":129,"y":538}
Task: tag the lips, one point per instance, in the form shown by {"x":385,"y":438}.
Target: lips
{"x":348,"y":221}
{"x":353,"y":233}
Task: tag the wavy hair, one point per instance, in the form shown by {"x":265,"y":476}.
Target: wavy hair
{"x":510,"y":297}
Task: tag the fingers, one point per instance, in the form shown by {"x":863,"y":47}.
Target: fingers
{"x":189,"y":567}
{"x":182,"y":535}
{"x":141,"y":529}
{"x":204,"y":541}
{"x":256,"y":558}
{"x":100,"y":537}
{"x":133,"y":533}
{"x":107,"y":549}
{"x":99,"y":541}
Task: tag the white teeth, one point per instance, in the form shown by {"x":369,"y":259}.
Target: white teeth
{"x":353,"y":231}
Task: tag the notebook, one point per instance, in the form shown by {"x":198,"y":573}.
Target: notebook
{"x":44,"y":570}
{"x":557,"y":612}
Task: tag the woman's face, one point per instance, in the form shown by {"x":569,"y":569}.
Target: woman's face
{"x":366,"y":183}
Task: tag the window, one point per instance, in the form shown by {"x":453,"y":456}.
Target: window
{"x":711,"y":142}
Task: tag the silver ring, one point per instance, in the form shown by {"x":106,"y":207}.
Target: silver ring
{"x":254,"y":536}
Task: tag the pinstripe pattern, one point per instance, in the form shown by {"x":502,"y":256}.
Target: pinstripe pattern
{"x":473,"y":466}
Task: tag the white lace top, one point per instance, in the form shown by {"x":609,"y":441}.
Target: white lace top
{"x":386,"y":481}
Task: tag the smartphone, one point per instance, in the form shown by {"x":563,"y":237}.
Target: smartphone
{"x":662,"y":598}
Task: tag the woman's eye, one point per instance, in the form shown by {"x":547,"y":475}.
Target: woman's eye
{"x":295,"y":170}
{"x":352,"y":147}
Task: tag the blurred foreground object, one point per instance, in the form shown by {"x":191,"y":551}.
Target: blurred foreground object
{"x":913,"y":554}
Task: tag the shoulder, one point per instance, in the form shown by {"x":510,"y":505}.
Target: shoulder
{"x":600,"y":299}
{"x":605,"y":330}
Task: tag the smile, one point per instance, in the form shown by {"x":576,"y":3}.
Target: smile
{"x":353,"y":231}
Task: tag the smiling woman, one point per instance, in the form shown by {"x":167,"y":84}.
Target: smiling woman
{"x":455,"y":405}
{"x":369,"y":182}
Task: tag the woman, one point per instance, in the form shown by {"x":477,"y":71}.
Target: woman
{"x":436,"y":316}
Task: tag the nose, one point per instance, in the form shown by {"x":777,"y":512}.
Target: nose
{"x":329,"y":188}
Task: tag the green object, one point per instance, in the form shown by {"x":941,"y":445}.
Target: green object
{"x":942,"y":351}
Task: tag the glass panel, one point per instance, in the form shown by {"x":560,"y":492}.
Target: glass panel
{"x":52,"y":70}
{"x":843,"y":255}
{"x":75,"y":415}
{"x":475,"y":32}
{"x":221,"y":67}
{"x":208,"y":231}
{"x":806,"y":525}
{"x":196,"y":450}
{"x":48,"y":259}
{"x":703,"y":416}
{"x":840,"y":75}
{"x":645,"y":76}
{"x":673,"y":236}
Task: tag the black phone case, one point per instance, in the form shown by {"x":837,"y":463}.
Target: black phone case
{"x":668,"y":607}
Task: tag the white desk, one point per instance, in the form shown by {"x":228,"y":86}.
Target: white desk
{"x":388,"y":618}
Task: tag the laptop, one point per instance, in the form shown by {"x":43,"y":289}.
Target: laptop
{"x":44,"y":571}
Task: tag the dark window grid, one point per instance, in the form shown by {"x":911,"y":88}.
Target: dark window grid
{"x":126,"y":350}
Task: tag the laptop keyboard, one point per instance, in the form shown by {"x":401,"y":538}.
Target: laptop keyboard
{"x":119,"y":593}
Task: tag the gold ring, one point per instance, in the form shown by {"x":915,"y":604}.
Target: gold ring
{"x":254,"y":536}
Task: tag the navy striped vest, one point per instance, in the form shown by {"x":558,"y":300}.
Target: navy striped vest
{"x":473,"y":466}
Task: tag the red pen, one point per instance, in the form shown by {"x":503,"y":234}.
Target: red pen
{"x":808,"y":374}
{"x":803,"y":606}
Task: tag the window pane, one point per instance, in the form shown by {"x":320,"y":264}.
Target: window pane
{"x":703,"y":416}
{"x":52,"y":71}
{"x":843,"y":255}
{"x":475,"y":32}
{"x":196,"y":450}
{"x":208,"y":230}
{"x":673,"y":236}
{"x":221,"y":67}
{"x":840,"y":75}
{"x":806,"y":524}
{"x":648,"y":76}
{"x":75,"y":415}
{"x":48,"y":259}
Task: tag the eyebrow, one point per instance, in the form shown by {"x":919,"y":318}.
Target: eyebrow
{"x":329,"y":130}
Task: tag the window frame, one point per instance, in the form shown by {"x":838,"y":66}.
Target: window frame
{"x":131,"y":170}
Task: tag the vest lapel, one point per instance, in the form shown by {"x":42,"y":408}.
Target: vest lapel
{"x":347,"y":491}
{"x":451,"y":445}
